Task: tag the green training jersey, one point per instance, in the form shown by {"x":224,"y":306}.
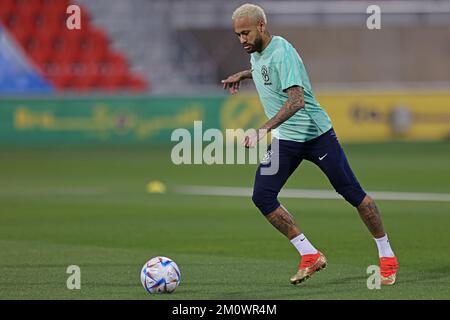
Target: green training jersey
{"x":274,"y":70}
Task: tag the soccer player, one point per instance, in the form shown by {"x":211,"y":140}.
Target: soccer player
{"x":303,"y":131}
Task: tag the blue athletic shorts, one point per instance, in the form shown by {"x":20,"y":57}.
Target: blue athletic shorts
{"x":324,"y":151}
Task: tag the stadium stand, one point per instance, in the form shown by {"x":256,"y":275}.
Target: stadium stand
{"x":188,"y":46}
{"x":81,"y":60}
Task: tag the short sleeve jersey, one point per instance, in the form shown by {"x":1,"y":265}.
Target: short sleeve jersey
{"x":274,"y":70}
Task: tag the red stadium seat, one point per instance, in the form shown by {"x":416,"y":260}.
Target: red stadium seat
{"x":55,"y":7}
{"x":72,"y":59}
{"x":4,"y":17}
{"x":10,"y":20}
{"x":51,"y":24}
{"x":41,"y":59}
{"x":67,"y":46}
{"x":27,"y":11}
{"x":114,"y":81}
{"x":40,"y":48}
{"x":22,"y":35}
{"x":39,"y":52}
{"x":7,"y":6}
{"x":45,"y":37}
{"x":55,"y":18}
{"x":94,"y":45}
{"x":88,"y":76}
{"x":115,"y":63}
{"x":28,"y":2}
{"x":137,"y":83}
{"x":61,"y":75}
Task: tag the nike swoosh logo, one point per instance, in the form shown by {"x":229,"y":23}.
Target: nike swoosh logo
{"x":302,"y":239}
{"x":323,"y":157}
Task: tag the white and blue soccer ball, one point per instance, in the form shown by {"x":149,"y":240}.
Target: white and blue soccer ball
{"x":160,"y":275}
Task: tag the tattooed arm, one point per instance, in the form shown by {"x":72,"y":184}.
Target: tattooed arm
{"x":295,"y":102}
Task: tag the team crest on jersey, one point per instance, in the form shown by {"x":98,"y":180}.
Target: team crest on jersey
{"x":265,"y":75}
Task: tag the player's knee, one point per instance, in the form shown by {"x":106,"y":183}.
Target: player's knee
{"x":265,"y":201}
{"x":354,"y":194}
{"x":367,"y":201}
{"x":259,"y":199}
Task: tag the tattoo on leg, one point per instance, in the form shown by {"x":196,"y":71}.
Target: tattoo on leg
{"x":371,"y":216}
{"x":284,"y":222}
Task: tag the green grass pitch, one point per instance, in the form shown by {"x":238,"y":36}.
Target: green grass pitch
{"x":88,"y":206}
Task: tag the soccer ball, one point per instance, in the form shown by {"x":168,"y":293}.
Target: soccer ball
{"x":160,"y":275}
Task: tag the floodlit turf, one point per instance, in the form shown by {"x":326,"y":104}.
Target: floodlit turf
{"x":89,"y":207}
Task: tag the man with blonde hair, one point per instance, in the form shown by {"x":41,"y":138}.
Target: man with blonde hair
{"x":303,"y":131}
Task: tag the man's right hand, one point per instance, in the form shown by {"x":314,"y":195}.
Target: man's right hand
{"x":232,"y":83}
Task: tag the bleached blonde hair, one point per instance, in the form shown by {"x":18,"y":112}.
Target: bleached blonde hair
{"x":250,"y":10}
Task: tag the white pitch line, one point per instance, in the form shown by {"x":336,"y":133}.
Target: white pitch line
{"x":311,"y":194}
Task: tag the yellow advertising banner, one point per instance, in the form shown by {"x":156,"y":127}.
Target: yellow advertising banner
{"x":362,"y":117}
{"x":389,"y":116}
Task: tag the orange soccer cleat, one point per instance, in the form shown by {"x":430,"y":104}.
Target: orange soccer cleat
{"x":388,"y":270}
{"x":309,"y":264}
